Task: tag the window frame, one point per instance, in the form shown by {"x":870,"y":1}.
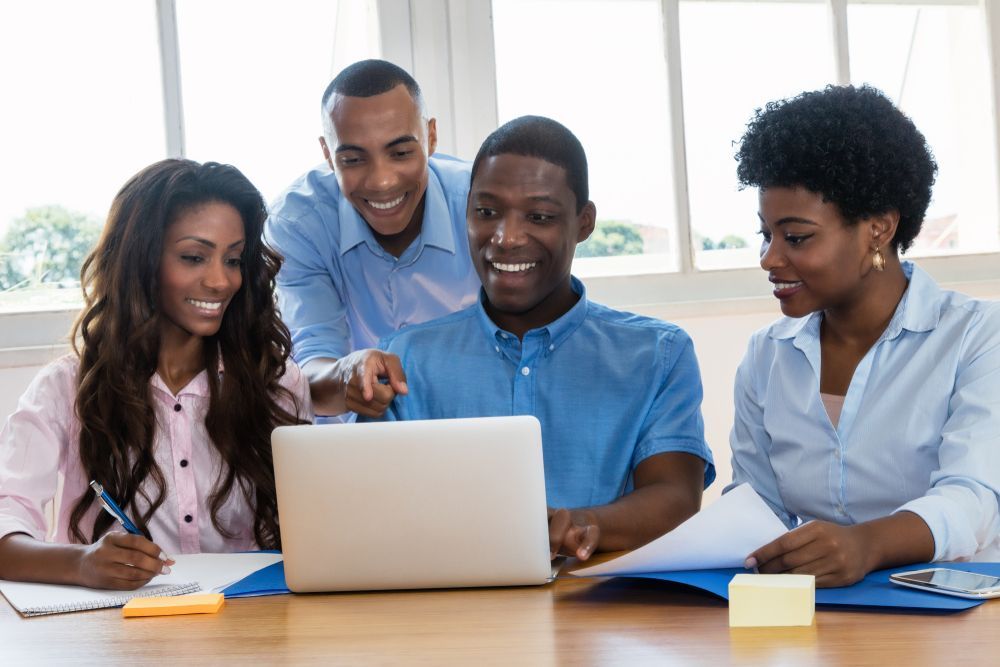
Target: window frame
{"x":424,"y":36}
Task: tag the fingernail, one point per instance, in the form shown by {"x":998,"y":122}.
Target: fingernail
{"x":750,"y":563}
{"x":164,"y":570}
{"x":164,"y":556}
{"x":552,"y":555}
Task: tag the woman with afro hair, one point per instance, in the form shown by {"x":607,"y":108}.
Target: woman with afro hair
{"x":868,"y":417}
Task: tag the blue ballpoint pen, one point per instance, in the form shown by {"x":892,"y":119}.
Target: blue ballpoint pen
{"x":112,"y":508}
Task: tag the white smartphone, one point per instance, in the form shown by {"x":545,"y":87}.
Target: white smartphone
{"x":950,"y":582}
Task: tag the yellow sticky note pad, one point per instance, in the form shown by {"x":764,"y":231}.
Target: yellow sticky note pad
{"x":768,"y":600}
{"x":196,"y":603}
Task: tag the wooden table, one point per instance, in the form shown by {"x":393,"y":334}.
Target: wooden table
{"x":568,"y":622}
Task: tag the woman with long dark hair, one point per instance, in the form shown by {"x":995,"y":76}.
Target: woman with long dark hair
{"x":179,"y":375}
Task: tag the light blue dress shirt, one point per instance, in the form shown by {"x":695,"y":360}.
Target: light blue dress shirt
{"x":609,"y":388}
{"x":919,"y":430}
{"x":339,"y":290}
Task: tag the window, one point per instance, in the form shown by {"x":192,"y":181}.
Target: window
{"x":253,"y":75}
{"x":599,"y":68}
{"x":730,"y":58}
{"x":762,"y":60}
{"x":932,"y":61}
{"x":84,"y":110}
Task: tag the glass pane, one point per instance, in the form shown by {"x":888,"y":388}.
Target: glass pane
{"x":82,"y":112}
{"x":253,"y":75}
{"x":933,"y":63}
{"x":736,"y":57}
{"x":599,"y":68}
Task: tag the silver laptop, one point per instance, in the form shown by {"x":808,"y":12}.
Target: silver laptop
{"x":419,"y":504}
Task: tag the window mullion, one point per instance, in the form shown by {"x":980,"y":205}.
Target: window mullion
{"x":991,"y":15}
{"x":670,"y":10}
{"x":841,"y":47}
{"x":170,"y":73}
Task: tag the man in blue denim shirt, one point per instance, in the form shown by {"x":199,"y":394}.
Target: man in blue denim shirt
{"x":373,"y":241}
{"x":618,"y":395}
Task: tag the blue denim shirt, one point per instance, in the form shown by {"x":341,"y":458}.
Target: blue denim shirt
{"x":609,"y":388}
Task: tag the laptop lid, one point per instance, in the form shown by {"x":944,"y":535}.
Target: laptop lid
{"x":418,"y":504}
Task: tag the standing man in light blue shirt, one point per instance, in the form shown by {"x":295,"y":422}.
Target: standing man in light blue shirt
{"x":373,"y":241}
{"x":868,"y":418}
{"x":618,"y":395}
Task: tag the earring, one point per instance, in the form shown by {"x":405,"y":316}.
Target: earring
{"x":878,"y":260}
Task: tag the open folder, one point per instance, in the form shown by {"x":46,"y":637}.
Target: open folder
{"x":709,"y":549}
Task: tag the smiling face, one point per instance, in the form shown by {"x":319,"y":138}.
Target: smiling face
{"x":200,"y":268}
{"x":814,"y":259}
{"x":379,"y":152}
{"x":523,"y":229}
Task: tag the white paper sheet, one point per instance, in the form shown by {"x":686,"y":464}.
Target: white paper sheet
{"x":721,"y":535}
{"x":215,"y":571}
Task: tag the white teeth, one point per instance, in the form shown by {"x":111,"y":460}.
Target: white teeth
{"x":781,"y":286}
{"x":205,"y":305}
{"x":513,"y":268}
{"x":386,"y":205}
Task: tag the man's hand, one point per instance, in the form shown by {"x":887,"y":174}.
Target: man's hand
{"x":837,"y":555}
{"x":573,"y":533}
{"x":352,"y":383}
{"x":360,"y":373}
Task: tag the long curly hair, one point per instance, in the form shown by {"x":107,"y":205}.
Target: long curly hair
{"x":851,"y":145}
{"x":117,"y":339}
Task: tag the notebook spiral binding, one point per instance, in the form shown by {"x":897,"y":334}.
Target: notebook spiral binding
{"x":112,"y":601}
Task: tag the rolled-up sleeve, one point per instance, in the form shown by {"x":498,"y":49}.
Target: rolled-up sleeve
{"x":961,"y":507}
{"x":32,"y":441}
{"x":674,"y":422}
{"x":311,"y":302}
{"x":750,"y":442}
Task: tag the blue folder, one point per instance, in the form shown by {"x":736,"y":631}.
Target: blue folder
{"x":267,"y":581}
{"x":874,"y":591}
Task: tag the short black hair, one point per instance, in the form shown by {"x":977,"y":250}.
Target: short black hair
{"x":367,"y":78}
{"x":851,"y":145}
{"x":543,"y":138}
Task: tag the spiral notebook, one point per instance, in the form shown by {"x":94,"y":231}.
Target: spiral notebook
{"x":191,"y":573}
{"x":40,"y":599}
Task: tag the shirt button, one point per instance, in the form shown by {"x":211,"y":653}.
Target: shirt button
{"x":551,"y":347}
{"x":177,"y":407}
{"x":525,"y":371}
{"x":840,"y":508}
{"x":504,"y":336}
{"x":836,"y":454}
{"x":497,"y":348}
{"x":188,"y":518}
{"x":184,"y":463}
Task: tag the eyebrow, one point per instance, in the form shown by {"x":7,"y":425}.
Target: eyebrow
{"x":206,"y":242}
{"x":544,"y":199}
{"x":790,"y":219}
{"x":406,"y":138}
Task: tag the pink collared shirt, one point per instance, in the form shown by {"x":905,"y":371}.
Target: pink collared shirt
{"x":39,"y":446}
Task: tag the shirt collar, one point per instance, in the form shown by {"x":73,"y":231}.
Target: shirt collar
{"x":198,"y":386}
{"x":917,"y":310}
{"x":436,"y":230}
{"x":558,"y":330}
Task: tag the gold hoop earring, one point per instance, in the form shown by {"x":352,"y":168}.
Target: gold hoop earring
{"x":878,"y":260}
